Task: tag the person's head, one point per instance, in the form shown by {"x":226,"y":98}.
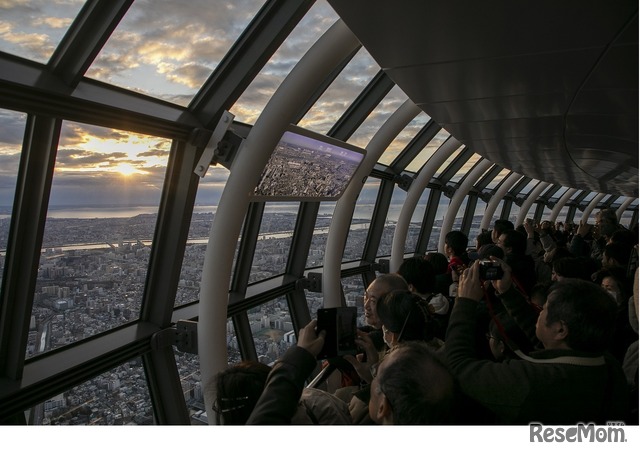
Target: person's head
{"x":504,"y":336}
{"x":572,"y":268}
{"x":615,"y":281}
{"x":237,"y":390}
{"x":419,"y":274}
{"x":490,"y":250}
{"x":513,"y":242}
{"x":375,"y":292}
{"x":625,"y":237}
{"x":616,"y":254}
{"x":606,"y":222}
{"x":483,"y":238}
{"x":412,"y":387}
{"x":499,"y":227}
{"x":455,"y":243}
{"x":405,"y":316}
{"x":439,"y":262}
{"x":578,"y":315}
{"x":539,"y":293}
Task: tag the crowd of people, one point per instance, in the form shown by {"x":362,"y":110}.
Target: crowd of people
{"x":533,"y":324}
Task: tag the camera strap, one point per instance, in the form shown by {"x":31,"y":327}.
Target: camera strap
{"x":506,"y":339}
{"x":520,"y":288}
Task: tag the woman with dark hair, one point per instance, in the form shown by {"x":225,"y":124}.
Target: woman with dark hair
{"x":573,"y":268}
{"x":405,"y":316}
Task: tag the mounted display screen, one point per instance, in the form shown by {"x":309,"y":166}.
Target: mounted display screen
{"x":308,"y":166}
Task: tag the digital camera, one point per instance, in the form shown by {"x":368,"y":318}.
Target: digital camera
{"x":490,"y":270}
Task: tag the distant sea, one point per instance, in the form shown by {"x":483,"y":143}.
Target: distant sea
{"x":362,"y":211}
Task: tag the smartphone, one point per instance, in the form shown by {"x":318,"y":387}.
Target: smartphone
{"x":340,"y":325}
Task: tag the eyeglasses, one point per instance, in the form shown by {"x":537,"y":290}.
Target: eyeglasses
{"x":368,"y":297}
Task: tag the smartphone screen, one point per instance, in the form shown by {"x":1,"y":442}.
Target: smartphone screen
{"x":340,"y":325}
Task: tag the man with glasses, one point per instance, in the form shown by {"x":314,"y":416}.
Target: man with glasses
{"x":573,"y":369}
{"x":371,"y":342}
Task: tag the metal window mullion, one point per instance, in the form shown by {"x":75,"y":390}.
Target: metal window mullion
{"x":378,"y":219}
{"x":170,"y":235}
{"x":35,"y":175}
{"x":469,"y":212}
{"x":165,"y":389}
{"x":457,"y":163}
{"x":302,"y":238}
{"x":362,"y":106}
{"x":251,"y":51}
{"x":247,"y":248}
{"x":416,"y":145}
{"x":86,"y":36}
{"x":321,"y":88}
{"x":428,"y":220}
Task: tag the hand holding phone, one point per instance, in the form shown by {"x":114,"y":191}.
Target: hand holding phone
{"x":340,"y":326}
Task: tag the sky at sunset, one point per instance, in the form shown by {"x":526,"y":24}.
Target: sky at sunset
{"x":167,"y":52}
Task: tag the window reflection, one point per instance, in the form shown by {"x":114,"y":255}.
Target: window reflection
{"x":117,"y":397}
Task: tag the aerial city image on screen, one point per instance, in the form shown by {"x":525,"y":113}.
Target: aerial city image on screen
{"x":304,"y":167}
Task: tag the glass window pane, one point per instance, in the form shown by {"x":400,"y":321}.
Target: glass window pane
{"x":464,"y":169}
{"x":320,"y":233}
{"x":625,"y":218}
{"x":443,"y":205}
{"x":361,"y":221}
{"x":341,"y":93}
{"x":367,"y":129}
{"x":496,"y":215}
{"x":272,"y":329}
{"x":312,"y":26}
{"x":562,"y":215}
{"x":480,"y":209}
{"x":10,"y":146}
{"x":97,"y":238}
{"x":193,"y":390}
{"x":397,"y":200}
{"x":457,"y":221}
{"x":404,"y":138}
{"x":168,"y":52}
{"x":416,"y":222}
{"x":33,"y":29}
{"x":118,"y":397}
{"x":207,"y":199}
{"x":498,"y":179}
{"x":353,"y":288}
{"x":527,"y":188}
{"x":448,"y":161}
{"x":274,"y":240}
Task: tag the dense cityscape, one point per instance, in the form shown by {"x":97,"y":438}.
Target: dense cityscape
{"x":91,"y":279}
